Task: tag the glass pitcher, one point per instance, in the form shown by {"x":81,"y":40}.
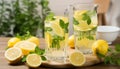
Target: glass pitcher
{"x":84,"y":21}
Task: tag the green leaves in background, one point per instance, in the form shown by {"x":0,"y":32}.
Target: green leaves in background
{"x":64,"y":25}
{"x":19,"y":16}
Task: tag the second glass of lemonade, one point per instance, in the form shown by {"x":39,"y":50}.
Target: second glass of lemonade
{"x":56,"y":36}
{"x":85,"y":25}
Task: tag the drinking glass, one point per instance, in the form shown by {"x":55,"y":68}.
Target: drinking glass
{"x":56,"y":36}
{"x":85,"y":25}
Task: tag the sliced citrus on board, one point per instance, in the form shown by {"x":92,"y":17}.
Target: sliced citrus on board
{"x":34,"y":40}
{"x":100,"y":46}
{"x":26,"y":46}
{"x":13,"y":54}
{"x":33,"y":60}
{"x":77,"y":59}
{"x":13,"y":41}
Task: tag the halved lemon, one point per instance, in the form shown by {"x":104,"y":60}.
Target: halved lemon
{"x":34,"y":40}
{"x":13,"y":41}
{"x":33,"y":60}
{"x":26,"y":46}
{"x":77,"y":58}
{"x":13,"y":54}
{"x":100,"y":46}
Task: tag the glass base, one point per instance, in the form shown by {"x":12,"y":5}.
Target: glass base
{"x":57,"y":56}
{"x":84,"y":50}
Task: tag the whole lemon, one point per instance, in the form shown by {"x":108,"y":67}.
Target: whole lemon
{"x":34,"y":40}
{"x":71,"y":41}
{"x":13,"y":41}
{"x":100,"y":46}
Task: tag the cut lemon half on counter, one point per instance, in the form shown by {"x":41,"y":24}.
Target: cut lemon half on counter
{"x":33,"y":60}
{"x":26,"y":46}
{"x":13,"y":54}
{"x":77,"y":59}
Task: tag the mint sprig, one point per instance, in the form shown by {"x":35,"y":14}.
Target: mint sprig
{"x":113,"y":55}
{"x":87,"y":18}
{"x":64,"y":25}
{"x":25,"y":36}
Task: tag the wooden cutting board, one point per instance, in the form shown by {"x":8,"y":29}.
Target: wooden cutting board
{"x":90,"y":60}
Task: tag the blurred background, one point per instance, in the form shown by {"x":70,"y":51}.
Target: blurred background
{"x":108,"y":10}
{"x":19,"y":16}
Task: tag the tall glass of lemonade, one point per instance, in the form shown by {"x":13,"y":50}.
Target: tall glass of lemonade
{"x":56,"y":36}
{"x":85,"y":25}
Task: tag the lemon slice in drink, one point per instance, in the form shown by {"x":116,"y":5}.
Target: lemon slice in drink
{"x":57,"y":29}
{"x":26,"y":46}
{"x":77,"y":59}
{"x":13,"y":54}
{"x":33,"y":60}
{"x":65,"y":19}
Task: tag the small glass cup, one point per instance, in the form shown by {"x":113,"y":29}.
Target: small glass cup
{"x":85,"y":25}
{"x":56,"y":36}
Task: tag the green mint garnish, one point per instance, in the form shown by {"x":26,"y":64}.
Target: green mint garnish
{"x":39,"y":51}
{"x":113,"y":55}
{"x":87,"y":18}
{"x":75,"y":22}
{"x":90,"y":37}
{"x":24,"y":58}
{"x":50,"y":16}
{"x":43,"y":58}
{"x":64,"y":25}
{"x":48,"y":29}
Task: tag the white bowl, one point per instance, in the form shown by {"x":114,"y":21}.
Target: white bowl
{"x":108,"y":33}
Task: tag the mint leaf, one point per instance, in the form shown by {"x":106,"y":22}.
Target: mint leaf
{"x":66,"y":27}
{"x":39,"y":51}
{"x":88,"y":21}
{"x":24,"y":58}
{"x":48,"y":29}
{"x":43,"y":58}
{"x":50,"y":16}
{"x":62,"y":24}
{"x":87,"y":18}
{"x":90,"y":37}
{"x":75,"y":22}
{"x":117,"y":47}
